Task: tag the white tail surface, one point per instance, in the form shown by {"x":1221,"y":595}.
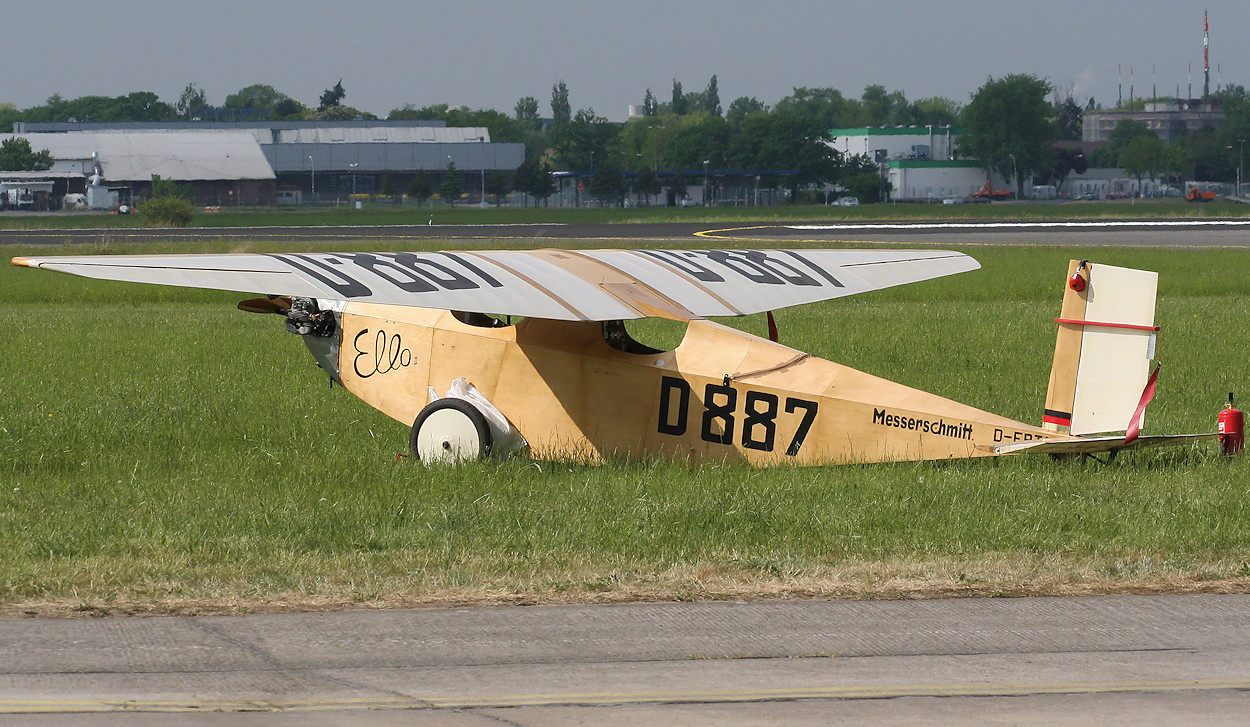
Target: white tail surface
{"x":1103,"y":351}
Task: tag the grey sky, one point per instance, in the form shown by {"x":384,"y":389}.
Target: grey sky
{"x":489,"y":54}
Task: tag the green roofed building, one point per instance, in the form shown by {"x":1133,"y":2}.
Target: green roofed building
{"x":921,"y":163}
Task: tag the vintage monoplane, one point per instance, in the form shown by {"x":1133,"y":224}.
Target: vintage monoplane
{"x":568,"y":380}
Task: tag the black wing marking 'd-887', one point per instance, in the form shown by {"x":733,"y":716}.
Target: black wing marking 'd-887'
{"x":558,"y":284}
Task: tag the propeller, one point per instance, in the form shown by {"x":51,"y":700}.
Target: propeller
{"x":279,"y":304}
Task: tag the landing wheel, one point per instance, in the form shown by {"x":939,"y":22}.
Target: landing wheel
{"x":450,"y":431}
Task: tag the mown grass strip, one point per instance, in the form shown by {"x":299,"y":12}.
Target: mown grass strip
{"x":164,"y":451}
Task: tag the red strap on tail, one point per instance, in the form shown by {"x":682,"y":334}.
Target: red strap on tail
{"x":772,"y":328}
{"x":1148,"y":393}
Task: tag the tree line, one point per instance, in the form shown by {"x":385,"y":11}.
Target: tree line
{"x":1011,"y":124}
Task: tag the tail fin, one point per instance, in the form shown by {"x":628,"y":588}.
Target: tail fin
{"x":1103,"y":349}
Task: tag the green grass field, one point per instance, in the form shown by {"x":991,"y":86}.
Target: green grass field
{"x":165,"y":452}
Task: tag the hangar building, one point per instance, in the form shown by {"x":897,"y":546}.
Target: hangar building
{"x":329,"y":160}
{"x":221,"y":167}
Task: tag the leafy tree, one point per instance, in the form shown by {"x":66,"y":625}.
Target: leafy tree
{"x":935,"y":111}
{"x":608,"y":183}
{"x":1144,"y":157}
{"x":1210,"y":156}
{"x":678,"y":106}
{"x":885,"y":108}
{"x":1176,"y":160}
{"x":387,"y":188}
{"x":8,"y":115}
{"x":410,"y":112}
{"x":864,"y":186}
{"x":527,"y":114}
{"x":1069,"y":116}
{"x":257,"y":96}
{"x":646,"y":182}
{"x":742,"y":106}
{"x":1119,"y":140}
{"x":451,"y":187}
{"x":523,"y":178}
{"x":498,"y":184}
{"x":1009,"y":127}
{"x":693,"y":139}
{"x":534,"y":179}
{"x":649,"y":105}
{"x":826,"y":108}
{"x":582,"y":139}
{"x":501,"y":126}
{"x":16,"y":155}
{"x":332,"y":96}
{"x":192,"y":102}
{"x":1233,"y":135}
{"x":748,"y":135}
{"x":1064,"y":161}
{"x":338,"y":113}
{"x":288,"y":108}
{"x":677,"y":185}
{"x":800,"y":144}
{"x":137,"y":106}
{"x":420,"y":188}
{"x":169,"y":188}
{"x":561,"y":112}
{"x":711,"y":98}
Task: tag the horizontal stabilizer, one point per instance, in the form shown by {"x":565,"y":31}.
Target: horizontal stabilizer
{"x":1093,"y":445}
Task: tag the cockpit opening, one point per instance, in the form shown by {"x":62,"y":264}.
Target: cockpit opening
{"x":657,"y":335}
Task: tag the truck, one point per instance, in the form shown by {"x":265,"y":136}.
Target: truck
{"x":986,"y":192}
{"x":1201,"y":193}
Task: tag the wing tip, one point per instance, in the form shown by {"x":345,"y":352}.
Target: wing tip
{"x":23,"y":262}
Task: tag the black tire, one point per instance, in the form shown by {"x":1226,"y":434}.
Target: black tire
{"x":450,"y":430}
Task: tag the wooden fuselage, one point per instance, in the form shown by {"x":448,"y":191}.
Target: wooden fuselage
{"x":721,"y":394}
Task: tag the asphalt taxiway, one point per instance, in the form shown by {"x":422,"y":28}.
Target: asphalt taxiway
{"x":1111,"y":660}
{"x":1191,"y":233}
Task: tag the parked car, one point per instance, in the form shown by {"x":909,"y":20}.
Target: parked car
{"x":953,"y":199}
{"x":847,"y":202}
{"x":1086,"y":197}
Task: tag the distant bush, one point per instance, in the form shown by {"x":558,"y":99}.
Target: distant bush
{"x":167,"y":212}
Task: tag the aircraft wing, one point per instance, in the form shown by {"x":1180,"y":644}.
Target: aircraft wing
{"x":556,"y":284}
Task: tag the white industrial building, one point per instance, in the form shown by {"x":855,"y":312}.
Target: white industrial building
{"x":881,"y":143}
{"x":923,"y":180}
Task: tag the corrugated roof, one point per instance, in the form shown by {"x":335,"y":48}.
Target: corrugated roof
{"x":382,"y":135}
{"x":177,"y":156}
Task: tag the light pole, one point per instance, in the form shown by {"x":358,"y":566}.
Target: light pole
{"x":1241,"y":148}
{"x":705,"y":185}
{"x":313,"y":162}
{"x":353,"y":165}
{"x":1014,"y":181}
{"x":483,"y":140}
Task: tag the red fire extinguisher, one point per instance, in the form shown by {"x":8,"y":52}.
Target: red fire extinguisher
{"x":1232,"y":428}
